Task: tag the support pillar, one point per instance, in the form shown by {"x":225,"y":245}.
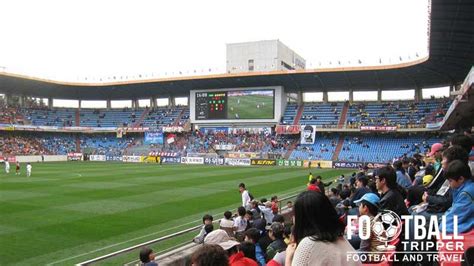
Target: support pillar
{"x":50,"y":102}
{"x":418,"y":94}
{"x":80,"y":104}
{"x":153,"y":102}
{"x":351,"y":96}
{"x":379,"y":95}
{"x":21,"y":101}
{"x":171,"y":101}
{"x":109,"y":104}
{"x":299,"y":98}
{"x":325,"y":96}
{"x":7,"y":99}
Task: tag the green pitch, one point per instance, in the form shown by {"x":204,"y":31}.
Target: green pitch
{"x":246,"y":107}
{"x":66,"y":213}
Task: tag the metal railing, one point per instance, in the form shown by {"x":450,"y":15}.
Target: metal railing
{"x":281,"y":207}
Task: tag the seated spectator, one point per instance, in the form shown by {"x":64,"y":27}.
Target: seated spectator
{"x":368,"y":205}
{"x":391,"y":198}
{"x":210,"y":254}
{"x":334,"y":196}
{"x":147,"y":257}
{"x":240,"y":223}
{"x":267,"y":212}
{"x":206,"y":220}
{"x":460,"y":180}
{"x":318,"y":233}
{"x":278,"y":244}
{"x":227,"y":224}
{"x":312,"y":186}
{"x":248,"y":248}
{"x":253,"y":235}
{"x":402,"y":177}
{"x":361,"y":188}
{"x":236,"y":256}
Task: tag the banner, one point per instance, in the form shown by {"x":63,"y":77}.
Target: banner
{"x":378,"y":128}
{"x":242,"y":155}
{"x":192,"y":160}
{"x":11,"y":159}
{"x":211,"y":130}
{"x":114,"y":158}
{"x":262,"y":162}
{"x":163,"y":154}
{"x":224,"y":147}
{"x":131,"y":159}
{"x":153,"y":138}
{"x":150,"y":159}
{"x":356,"y":165}
{"x":308,"y":134}
{"x":290,"y":163}
{"x":171,"y":159}
{"x":97,"y":158}
{"x":317,"y":164}
{"x":72,"y":156}
{"x":214,"y":161}
{"x":237,"y":162}
{"x":288,"y":129}
{"x":173,"y":129}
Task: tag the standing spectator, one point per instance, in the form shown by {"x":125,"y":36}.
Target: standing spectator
{"x":267,"y":212}
{"x":460,"y":181}
{"x":274,"y":201}
{"x":210,"y":254}
{"x":391,"y":198}
{"x":227,"y":224}
{"x":245,"y":196}
{"x":310,"y":176}
{"x":147,"y":257}
{"x":321,"y":184}
{"x":312,"y":186}
{"x":318,"y":234}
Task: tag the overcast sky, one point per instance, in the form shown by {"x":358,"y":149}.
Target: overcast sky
{"x":71,"y":40}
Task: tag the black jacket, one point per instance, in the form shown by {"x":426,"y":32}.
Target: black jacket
{"x":392,"y":200}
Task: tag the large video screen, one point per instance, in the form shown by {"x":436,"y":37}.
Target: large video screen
{"x":235,"y":104}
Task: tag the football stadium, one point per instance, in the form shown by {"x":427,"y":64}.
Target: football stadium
{"x":276,"y":160}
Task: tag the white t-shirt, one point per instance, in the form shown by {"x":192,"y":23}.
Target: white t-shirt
{"x":28,"y":168}
{"x":240,"y":223}
{"x":7,"y":164}
{"x":245,"y":199}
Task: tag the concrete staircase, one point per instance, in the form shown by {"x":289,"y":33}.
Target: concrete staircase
{"x":343,"y":117}
{"x":338,"y":148}
{"x":141,"y":118}
{"x":298,"y":114}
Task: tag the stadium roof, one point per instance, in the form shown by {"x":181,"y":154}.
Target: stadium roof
{"x":451,"y":56}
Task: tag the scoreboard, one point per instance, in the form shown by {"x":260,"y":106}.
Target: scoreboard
{"x":211,"y":105}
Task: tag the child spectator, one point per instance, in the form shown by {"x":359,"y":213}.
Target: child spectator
{"x":210,"y":254}
{"x":460,"y":181}
{"x":368,"y":205}
{"x":206,"y":220}
{"x":147,"y":257}
{"x":253,"y":235}
{"x":240,"y":223}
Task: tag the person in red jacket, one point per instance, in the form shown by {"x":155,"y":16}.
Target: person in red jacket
{"x":236,"y":257}
{"x":313,"y":186}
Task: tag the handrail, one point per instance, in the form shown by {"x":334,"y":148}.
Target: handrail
{"x":157,"y":240}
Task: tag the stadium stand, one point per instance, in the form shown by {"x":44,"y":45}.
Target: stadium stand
{"x":321,"y":114}
{"x":407,"y":114}
{"x":109,"y":118}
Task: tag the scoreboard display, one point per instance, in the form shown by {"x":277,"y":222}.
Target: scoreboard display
{"x":235,"y":104}
{"x":211,"y":105}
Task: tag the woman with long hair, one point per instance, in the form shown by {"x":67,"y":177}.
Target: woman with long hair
{"x":318,"y":233}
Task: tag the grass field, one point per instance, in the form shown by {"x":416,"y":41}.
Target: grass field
{"x":70,"y":212}
{"x":247,"y":108}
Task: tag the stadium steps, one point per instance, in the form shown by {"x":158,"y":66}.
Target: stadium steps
{"x":343,"y":117}
{"x":178,"y":118}
{"x":142,"y":117}
{"x":78,"y":117}
{"x":78,"y":144}
{"x":299,"y":114}
{"x":338,"y":148}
